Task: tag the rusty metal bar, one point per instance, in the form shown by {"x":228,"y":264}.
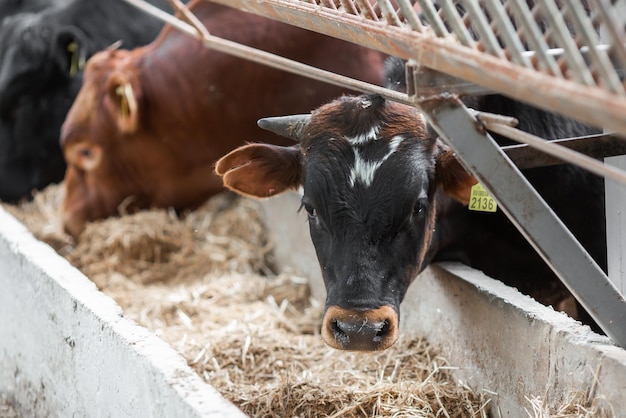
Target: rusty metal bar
{"x":589,"y":104}
{"x":266,"y":58}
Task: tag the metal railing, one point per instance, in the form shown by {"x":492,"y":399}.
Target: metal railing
{"x":560,"y":56}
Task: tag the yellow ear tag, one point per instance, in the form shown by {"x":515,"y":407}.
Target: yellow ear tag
{"x":122,"y":91}
{"x":481,"y":200}
{"x":72,"y":48}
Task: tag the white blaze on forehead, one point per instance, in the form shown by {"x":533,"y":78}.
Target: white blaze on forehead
{"x":360,"y":139}
{"x":364,"y":171}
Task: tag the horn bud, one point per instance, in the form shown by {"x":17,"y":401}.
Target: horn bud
{"x":291,"y":126}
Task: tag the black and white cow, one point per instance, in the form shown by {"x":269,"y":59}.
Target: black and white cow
{"x":41,"y":60}
{"x":385,"y":197}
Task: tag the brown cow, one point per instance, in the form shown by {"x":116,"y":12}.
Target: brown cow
{"x":148,"y":124}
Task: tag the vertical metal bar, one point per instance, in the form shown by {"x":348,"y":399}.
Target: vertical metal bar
{"x":616,"y":37}
{"x":531,"y":215}
{"x":507,"y":31}
{"x":389,"y":12}
{"x":486,"y":35}
{"x":535,"y":37}
{"x":433,"y":19}
{"x":349,"y":7}
{"x":564,"y":38}
{"x":367,"y":10}
{"x":598,"y":57}
{"x":457,"y":25}
{"x":616,"y":226}
{"x":411,"y":16}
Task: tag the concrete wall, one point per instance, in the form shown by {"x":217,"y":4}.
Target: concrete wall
{"x":66,"y":350}
{"x":502,"y":341}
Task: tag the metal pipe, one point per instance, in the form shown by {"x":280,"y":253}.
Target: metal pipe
{"x":558,"y":151}
{"x":266,"y":58}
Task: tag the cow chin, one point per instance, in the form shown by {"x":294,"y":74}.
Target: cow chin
{"x":354,"y":330}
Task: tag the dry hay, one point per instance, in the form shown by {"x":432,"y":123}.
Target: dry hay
{"x":7,"y":409}
{"x":205,"y":283}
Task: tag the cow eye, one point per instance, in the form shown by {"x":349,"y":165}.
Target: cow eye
{"x":418,"y":208}
{"x":310,"y":210}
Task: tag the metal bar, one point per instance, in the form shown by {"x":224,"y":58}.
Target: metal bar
{"x":597,"y":146}
{"x":432,"y":17}
{"x":560,"y":31}
{"x":433,"y":83}
{"x":531,"y":215}
{"x":366,"y":9}
{"x":598,"y":56}
{"x":610,"y":30}
{"x":565,"y":154}
{"x":534,"y":36}
{"x":512,"y":42}
{"x":266,"y":58}
{"x":457,"y":25}
{"x":409,"y":13}
{"x":487,"y":39}
{"x":591,"y":105}
{"x":388,"y":11}
{"x":349,"y":7}
{"x":616,"y":227}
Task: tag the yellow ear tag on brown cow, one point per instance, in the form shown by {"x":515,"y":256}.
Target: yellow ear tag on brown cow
{"x":481,"y":200}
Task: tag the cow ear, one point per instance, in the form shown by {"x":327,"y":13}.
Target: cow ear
{"x":70,"y":50}
{"x":124,"y":97}
{"x":451,"y":176}
{"x":261,"y":170}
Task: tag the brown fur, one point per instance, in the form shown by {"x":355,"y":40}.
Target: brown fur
{"x":193,"y":106}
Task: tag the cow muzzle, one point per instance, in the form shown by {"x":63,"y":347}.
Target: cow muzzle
{"x":369,"y":330}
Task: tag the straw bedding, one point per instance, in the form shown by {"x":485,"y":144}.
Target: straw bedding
{"x":207,"y":285}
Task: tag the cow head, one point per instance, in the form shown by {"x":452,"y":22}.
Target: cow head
{"x":104,"y":114}
{"x":35,"y":56}
{"x":373,"y":176}
{"x":39,"y":75}
{"x":122,"y":157}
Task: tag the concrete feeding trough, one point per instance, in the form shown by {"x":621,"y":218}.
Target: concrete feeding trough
{"x":67,"y":350}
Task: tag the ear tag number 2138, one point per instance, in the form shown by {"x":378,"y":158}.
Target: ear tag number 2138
{"x":481,"y":200}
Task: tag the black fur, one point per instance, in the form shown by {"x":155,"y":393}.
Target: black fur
{"x":490,"y":242}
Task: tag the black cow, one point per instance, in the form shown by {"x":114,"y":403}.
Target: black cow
{"x":41,"y":60}
{"x":12,"y":7}
{"x":385,"y":197}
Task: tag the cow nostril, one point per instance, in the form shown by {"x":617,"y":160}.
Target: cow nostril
{"x":340,"y":335}
{"x":382,"y":333}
